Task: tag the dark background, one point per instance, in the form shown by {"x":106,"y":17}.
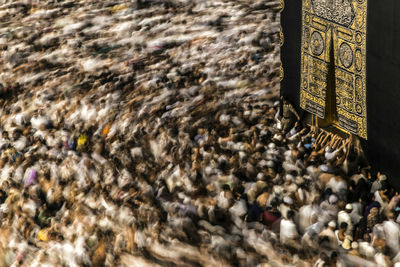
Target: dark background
{"x":383,"y":87}
{"x":290,"y":52}
{"x":383,"y":76}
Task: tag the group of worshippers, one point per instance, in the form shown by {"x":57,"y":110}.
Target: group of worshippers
{"x":236,"y":186}
{"x":150,"y":134}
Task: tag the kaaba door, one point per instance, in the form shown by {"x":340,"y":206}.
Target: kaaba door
{"x":334,"y":38}
{"x":331,"y":117}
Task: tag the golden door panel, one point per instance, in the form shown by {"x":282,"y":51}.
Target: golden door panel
{"x":338,"y":26}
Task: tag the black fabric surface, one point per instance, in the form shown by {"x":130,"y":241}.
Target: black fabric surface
{"x":383,"y":88}
{"x":290,"y":52}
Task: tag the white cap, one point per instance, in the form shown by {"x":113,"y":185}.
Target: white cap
{"x":354,"y":245}
{"x":349,"y":207}
{"x":242,"y":155}
{"x":278,"y":137}
{"x":332,"y":224}
{"x":271,"y":145}
{"x":277,"y":190}
{"x":262,"y":163}
{"x":323,"y":168}
{"x":270,"y":164}
{"x":333,"y":199}
{"x":186,"y":200}
{"x":289,"y":177}
{"x":287,"y":200}
{"x":299,"y":180}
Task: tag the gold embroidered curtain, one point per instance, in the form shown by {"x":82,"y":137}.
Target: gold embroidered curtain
{"x":335,"y":30}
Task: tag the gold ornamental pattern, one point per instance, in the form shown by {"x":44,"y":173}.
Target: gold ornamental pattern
{"x":338,"y":26}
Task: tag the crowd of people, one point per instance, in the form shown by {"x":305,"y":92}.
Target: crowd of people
{"x":149,"y":133}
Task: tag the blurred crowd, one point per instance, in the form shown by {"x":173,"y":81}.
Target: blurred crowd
{"x":149,"y":133}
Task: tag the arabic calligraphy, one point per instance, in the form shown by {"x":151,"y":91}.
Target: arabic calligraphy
{"x":337,"y":26}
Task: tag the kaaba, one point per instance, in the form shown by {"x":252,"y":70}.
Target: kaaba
{"x":341,"y":64}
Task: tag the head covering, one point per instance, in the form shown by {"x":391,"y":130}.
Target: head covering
{"x":287,"y":200}
{"x":299,"y":180}
{"x":333,"y":199}
{"x":270,"y":164}
{"x":262,"y":163}
{"x":278,"y":137}
{"x":349,"y":207}
{"x":332,"y":224}
{"x":277,"y":190}
{"x":186,"y":200}
{"x":354,"y":245}
{"x":289,"y":177}
{"x":323,"y":168}
{"x":271,"y":145}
